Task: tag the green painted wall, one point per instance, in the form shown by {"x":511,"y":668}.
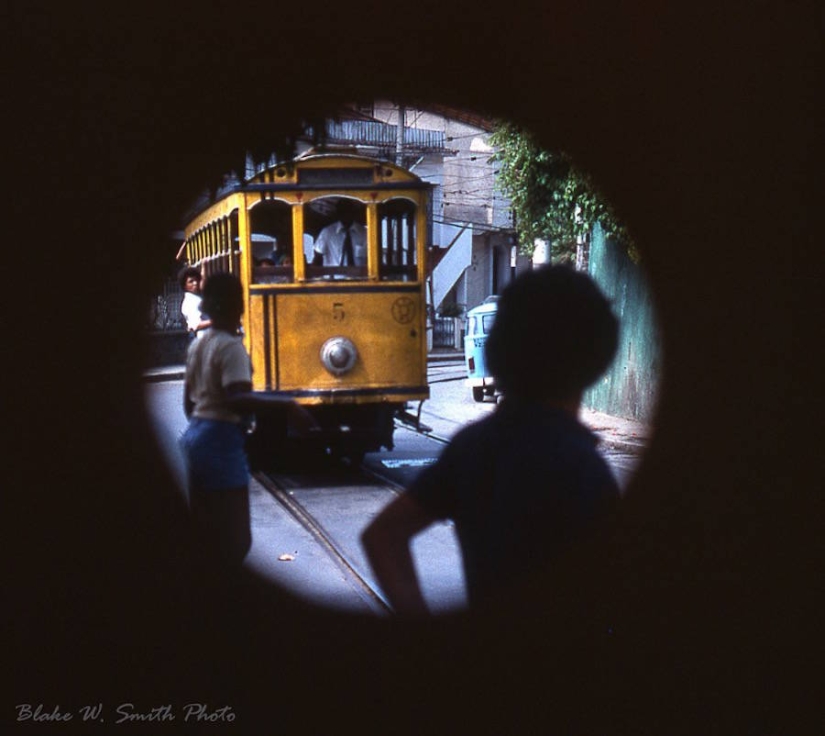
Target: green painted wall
{"x":629,"y":388}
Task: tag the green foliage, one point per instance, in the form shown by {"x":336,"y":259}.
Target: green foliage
{"x":552,"y":200}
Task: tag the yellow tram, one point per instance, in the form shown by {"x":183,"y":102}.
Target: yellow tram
{"x":337,"y":324}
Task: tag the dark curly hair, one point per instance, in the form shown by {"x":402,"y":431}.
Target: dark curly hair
{"x":553,"y":336}
{"x":187,"y":272}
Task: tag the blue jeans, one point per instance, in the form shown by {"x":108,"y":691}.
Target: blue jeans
{"x":215,"y":455}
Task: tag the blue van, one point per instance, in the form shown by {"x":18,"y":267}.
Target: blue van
{"x":479,"y":321}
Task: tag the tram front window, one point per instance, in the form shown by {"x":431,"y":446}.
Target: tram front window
{"x":338,"y":227}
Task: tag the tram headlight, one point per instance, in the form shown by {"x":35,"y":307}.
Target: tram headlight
{"x":338,"y":355}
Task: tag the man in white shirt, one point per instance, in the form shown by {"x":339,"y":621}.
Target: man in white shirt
{"x":344,"y":242}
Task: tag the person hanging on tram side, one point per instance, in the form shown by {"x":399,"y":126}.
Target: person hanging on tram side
{"x":343,"y":242}
{"x":526,"y":482}
{"x":190,"y":281}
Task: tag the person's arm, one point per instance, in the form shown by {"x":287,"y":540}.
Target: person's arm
{"x":386,"y":542}
{"x":320,"y":249}
{"x":242,"y":399}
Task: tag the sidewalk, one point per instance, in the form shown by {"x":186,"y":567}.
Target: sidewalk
{"x":621,"y":434}
{"x":163,"y":373}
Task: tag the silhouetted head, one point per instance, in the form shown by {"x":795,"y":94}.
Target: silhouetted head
{"x":553,"y":336}
{"x":223,"y":300}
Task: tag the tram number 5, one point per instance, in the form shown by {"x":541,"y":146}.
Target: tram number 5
{"x":338,"y":311}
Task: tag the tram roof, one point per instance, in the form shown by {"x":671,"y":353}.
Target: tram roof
{"x":320,"y":172}
{"x":338,"y":162}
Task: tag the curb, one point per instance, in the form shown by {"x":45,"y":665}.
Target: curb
{"x":157,"y":376}
{"x":630,"y":447}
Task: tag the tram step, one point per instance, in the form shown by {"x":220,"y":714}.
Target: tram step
{"x":413,"y":421}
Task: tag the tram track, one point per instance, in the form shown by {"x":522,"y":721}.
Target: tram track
{"x":447,"y":373}
{"x":285,"y":491}
{"x":421,"y":429}
{"x":429,"y":434}
{"x":332,"y":503}
{"x":447,"y":379}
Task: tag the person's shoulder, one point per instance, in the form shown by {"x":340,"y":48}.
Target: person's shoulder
{"x":225,"y":337}
{"x":229,"y":347}
{"x":219,"y":338}
{"x":472,"y":433}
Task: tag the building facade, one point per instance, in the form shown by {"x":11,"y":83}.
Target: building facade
{"x":474,"y":252}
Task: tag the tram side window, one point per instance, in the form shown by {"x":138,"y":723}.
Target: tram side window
{"x":397,"y":240}
{"x":271,"y":243}
{"x":338,"y":228}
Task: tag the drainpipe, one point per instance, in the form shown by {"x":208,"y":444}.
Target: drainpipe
{"x":399,"y":138}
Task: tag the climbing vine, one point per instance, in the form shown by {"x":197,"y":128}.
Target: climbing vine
{"x":552,"y":200}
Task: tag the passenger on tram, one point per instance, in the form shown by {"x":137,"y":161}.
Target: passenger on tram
{"x":525,"y":483}
{"x":281,"y":256}
{"x":268,"y":257}
{"x":344,"y":242}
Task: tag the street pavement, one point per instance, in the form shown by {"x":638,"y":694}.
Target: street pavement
{"x":286,"y":554}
